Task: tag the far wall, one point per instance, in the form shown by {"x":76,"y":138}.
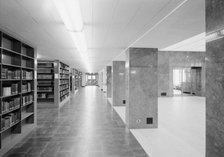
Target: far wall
{"x":167,"y":60}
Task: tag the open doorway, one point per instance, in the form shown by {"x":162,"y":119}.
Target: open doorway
{"x":177,"y":81}
{"x":91,"y":79}
{"x":187,"y":81}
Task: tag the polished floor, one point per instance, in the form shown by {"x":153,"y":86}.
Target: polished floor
{"x":181,"y":130}
{"x":86,"y":127}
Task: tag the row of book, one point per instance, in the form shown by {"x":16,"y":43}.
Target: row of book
{"x":27,"y":74}
{"x":63,"y":76}
{"x":45,"y":95}
{"x":45,"y":71}
{"x":15,"y":74}
{"x":64,"y":92}
{"x":10,"y":74}
{"x":44,"y":76}
{"x":64,"y":71}
{"x":6,"y":43}
{"x":13,"y":60}
{"x":28,"y":51}
{"x":45,"y":83}
{"x":44,"y":65}
{"x":10,"y":119}
{"x":27,"y":63}
{"x":63,"y":87}
{"x":64,"y":81}
{"x":26,"y":87}
{"x":64,"y":66}
{"x":64,"y":97}
{"x":8,"y":105}
{"x":7,"y":91}
{"x":47,"y":89}
{"x":27,"y":99}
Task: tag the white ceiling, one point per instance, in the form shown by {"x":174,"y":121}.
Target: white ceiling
{"x":110,"y":26}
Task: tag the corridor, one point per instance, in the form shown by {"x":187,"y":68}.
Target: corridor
{"x":85,"y":127}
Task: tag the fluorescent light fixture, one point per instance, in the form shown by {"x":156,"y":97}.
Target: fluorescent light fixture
{"x":195,"y":43}
{"x":70,"y":13}
{"x":215,"y":35}
{"x":79,"y":40}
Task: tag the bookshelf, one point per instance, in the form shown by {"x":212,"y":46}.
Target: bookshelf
{"x":76,"y":79}
{"x":64,"y":76}
{"x":45,"y":82}
{"x":18,"y":91}
{"x":72,"y":80}
{"x":52,"y":83}
{"x":80,"y":79}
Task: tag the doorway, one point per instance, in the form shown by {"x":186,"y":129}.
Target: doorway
{"x":91,"y":79}
{"x":187,"y":81}
{"x":177,"y":81}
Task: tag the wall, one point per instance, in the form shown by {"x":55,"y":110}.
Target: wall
{"x":167,"y":60}
{"x":83,"y":79}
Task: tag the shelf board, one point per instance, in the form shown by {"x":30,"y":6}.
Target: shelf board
{"x":64,"y":78}
{"x":27,"y":79}
{"x":15,"y":108}
{"x":27,"y":56}
{"x":45,"y":73}
{"x":10,"y":95}
{"x":45,"y":67}
{"x":63,"y":84}
{"x":27,"y":92}
{"x":25,"y":115}
{"x":45,"y":98}
{"x":15,"y":66}
{"x":45,"y":91}
{"x":13,"y":124}
{"x":10,"y":79}
{"x":44,"y":85}
{"x":64,"y":89}
{"x":64,"y":94}
{"x":46,"y":79}
{"x":11,"y":51}
{"x":29,"y":68}
{"x":27,"y":104}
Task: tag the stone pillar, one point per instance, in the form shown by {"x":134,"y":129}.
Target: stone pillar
{"x":141,"y":88}
{"x":109,"y":81}
{"x":118,"y":83}
{"x":214,"y":80}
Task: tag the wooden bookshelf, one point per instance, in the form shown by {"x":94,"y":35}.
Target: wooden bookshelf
{"x":52,"y":83}
{"x":18,"y":91}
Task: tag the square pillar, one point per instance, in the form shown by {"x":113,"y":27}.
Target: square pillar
{"x":141,"y":88}
{"x":118,"y":83}
{"x":109,"y":81}
{"x":214,"y":80}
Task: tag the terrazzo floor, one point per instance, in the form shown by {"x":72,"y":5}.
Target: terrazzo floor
{"x":181,"y":130}
{"x":87,"y":126}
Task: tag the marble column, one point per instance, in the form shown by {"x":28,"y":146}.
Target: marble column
{"x":141,"y":88}
{"x":118,"y":83}
{"x":214,"y":81}
{"x":109,"y":81}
